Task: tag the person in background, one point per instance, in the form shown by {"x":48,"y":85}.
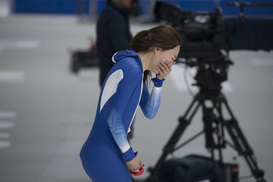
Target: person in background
{"x":113,"y":33}
{"x":106,"y":154}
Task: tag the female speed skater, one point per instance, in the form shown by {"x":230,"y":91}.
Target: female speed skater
{"x":106,"y":154}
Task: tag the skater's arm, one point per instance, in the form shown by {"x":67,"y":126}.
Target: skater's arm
{"x":150,"y":102}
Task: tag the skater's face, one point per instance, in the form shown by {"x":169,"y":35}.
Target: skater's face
{"x":163,"y":60}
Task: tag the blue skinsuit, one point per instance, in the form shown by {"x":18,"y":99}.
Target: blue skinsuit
{"x":107,"y":149}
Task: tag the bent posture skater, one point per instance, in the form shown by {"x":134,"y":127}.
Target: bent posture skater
{"x":106,"y":154}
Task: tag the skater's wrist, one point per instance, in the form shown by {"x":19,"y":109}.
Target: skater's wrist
{"x":129,"y":155}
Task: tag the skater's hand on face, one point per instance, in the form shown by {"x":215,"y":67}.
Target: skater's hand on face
{"x":164,"y":68}
{"x":134,"y":164}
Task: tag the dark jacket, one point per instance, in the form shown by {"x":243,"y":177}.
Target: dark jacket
{"x":113,"y":34}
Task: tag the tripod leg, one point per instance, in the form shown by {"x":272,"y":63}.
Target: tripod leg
{"x":242,"y":145}
{"x":213,"y":126}
{"x":169,"y":147}
{"x":208,"y":128}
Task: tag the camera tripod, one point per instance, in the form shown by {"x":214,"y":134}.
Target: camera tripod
{"x":212,"y":102}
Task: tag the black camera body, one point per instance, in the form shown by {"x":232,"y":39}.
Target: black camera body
{"x":203,"y":33}
{"x":204,"y":43}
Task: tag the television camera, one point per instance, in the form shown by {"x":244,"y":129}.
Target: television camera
{"x":207,"y":38}
{"x":204,"y":42}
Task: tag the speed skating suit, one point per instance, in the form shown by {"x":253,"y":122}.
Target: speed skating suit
{"x":106,"y":149}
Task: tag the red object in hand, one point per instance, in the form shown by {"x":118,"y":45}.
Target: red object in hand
{"x":138,"y":173}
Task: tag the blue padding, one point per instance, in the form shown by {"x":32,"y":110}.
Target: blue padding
{"x":51,"y":6}
{"x":72,"y":6}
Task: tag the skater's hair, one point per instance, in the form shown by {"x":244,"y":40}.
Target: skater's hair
{"x":162,"y":36}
